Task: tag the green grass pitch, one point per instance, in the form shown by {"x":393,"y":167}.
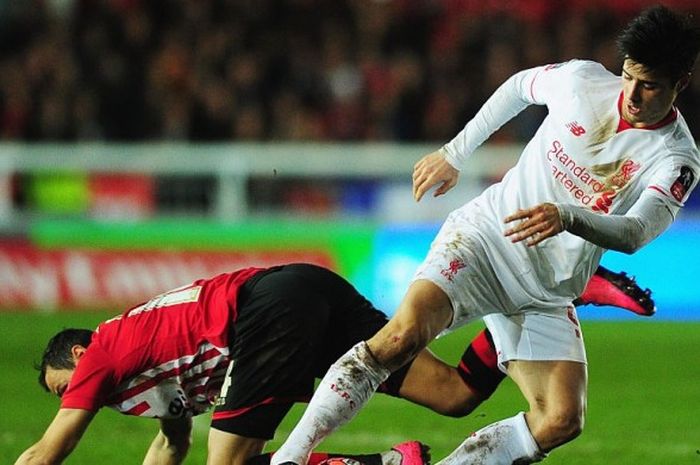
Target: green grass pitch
{"x":644,"y":401}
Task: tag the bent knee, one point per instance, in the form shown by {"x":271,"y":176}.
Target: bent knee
{"x":397,"y":343}
{"x":567,"y":425}
{"x":557,"y":426}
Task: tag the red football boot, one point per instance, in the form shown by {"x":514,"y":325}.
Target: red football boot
{"x":413,"y":453}
{"x":406,"y":453}
{"x":618,"y":290}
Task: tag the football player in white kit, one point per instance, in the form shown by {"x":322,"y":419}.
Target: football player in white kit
{"x":609,"y":168}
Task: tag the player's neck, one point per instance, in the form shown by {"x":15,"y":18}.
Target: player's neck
{"x":623,"y":124}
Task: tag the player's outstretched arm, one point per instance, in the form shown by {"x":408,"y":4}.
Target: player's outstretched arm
{"x":171,"y":444}
{"x":431,"y":170}
{"x":60,"y":438}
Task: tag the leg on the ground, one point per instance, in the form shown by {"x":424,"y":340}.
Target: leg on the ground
{"x":556,"y":392}
{"x":505,"y":442}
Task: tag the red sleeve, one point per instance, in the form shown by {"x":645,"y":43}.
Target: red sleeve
{"x":92,"y":381}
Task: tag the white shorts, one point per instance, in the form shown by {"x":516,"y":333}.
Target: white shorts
{"x":458,"y":263}
{"x":522,"y":328}
{"x":537,"y":336}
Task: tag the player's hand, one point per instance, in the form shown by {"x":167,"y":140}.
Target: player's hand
{"x":431,"y":170}
{"x":538,"y":223}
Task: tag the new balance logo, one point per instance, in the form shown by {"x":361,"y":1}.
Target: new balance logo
{"x":576,"y":129}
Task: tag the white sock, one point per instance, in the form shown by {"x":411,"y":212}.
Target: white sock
{"x":346,"y":388}
{"x":502,"y":443}
{"x":391,"y":457}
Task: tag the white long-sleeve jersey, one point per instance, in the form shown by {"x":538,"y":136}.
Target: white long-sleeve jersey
{"x":583,"y":155}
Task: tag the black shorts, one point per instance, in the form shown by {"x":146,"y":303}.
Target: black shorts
{"x":293,"y":322}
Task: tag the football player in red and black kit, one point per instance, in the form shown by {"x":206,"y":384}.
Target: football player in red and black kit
{"x":251,"y":343}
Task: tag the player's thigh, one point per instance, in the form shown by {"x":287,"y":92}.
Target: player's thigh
{"x":231,"y":449}
{"x":458,"y":264}
{"x":544,"y":353}
{"x":553,"y":388}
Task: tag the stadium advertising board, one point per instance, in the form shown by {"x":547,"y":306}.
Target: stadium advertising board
{"x":69,"y":265}
{"x":76,"y":264}
{"x":35,"y":278}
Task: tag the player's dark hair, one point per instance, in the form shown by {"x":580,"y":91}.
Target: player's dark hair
{"x":662,"y":40}
{"x":58,"y":351}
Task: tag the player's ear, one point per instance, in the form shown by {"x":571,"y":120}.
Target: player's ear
{"x":77,"y":351}
{"x":682,"y":83}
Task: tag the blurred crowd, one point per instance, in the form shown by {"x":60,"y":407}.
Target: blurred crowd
{"x":261,"y":70}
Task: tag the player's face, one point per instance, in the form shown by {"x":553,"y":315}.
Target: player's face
{"x":647,"y":96}
{"x":57,"y":379}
